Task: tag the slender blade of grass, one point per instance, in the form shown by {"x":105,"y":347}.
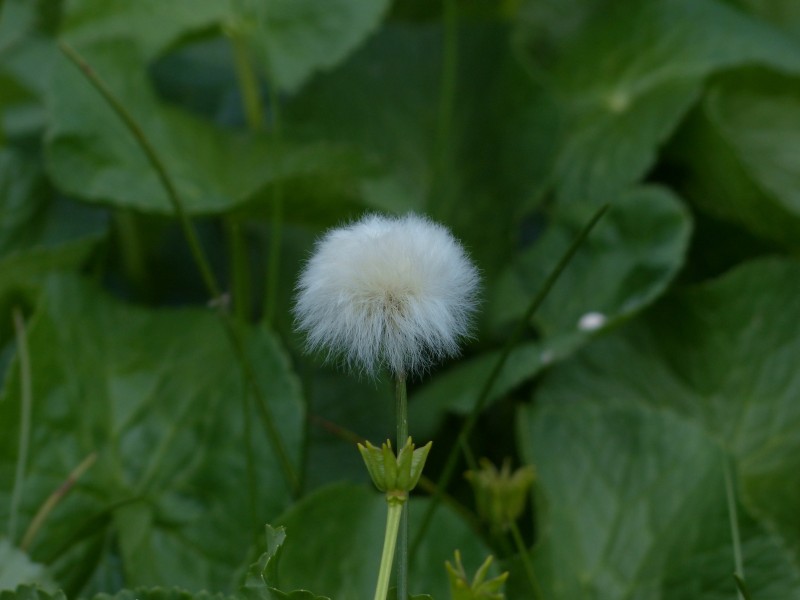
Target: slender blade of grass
{"x":199,"y":257}
{"x":483,"y":396}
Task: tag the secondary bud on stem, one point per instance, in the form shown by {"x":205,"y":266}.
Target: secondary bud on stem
{"x":479,"y":588}
{"x":395,"y":475}
{"x":500,"y":495}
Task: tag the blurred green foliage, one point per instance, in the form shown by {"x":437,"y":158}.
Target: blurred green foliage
{"x":668,"y":349}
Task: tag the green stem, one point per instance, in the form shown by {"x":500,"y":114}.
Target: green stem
{"x":526,"y":562}
{"x":248,"y":80}
{"x":401,"y":406}
{"x":276,"y":230}
{"x":53,"y":500}
{"x":26,"y":402}
{"x":130,"y":244}
{"x":199,"y":257}
{"x":472,"y":464}
{"x":395,"y":508}
{"x":483,"y":396}
{"x":155,"y":162}
{"x":734,"y":524}
{"x":240,"y":276}
{"x":440,"y":194}
{"x":250,"y":461}
{"x":742,"y":587}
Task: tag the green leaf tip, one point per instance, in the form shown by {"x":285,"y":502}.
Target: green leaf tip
{"x":480,"y":588}
{"x":260,"y":583}
{"x":395,"y":474}
{"x":500,"y":495}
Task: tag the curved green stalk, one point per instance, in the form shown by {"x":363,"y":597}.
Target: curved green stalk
{"x":536,"y":589}
{"x":240,"y":275}
{"x":734,"y":524}
{"x":483,"y":396}
{"x":395,"y":509}
{"x":199,"y":257}
{"x":26,"y":401}
{"x":401,"y":406}
{"x":276,"y":230}
{"x":439,"y":190}
{"x":248,"y":81}
{"x":53,"y":499}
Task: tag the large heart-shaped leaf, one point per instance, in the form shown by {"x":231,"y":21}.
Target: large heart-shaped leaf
{"x":158,"y":397}
{"x":709,"y":375}
{"x":742,"y":154}
{"x":495,"y":148}
{"x":298,"y":37}
{"x":625,"y":264}
{"x":632,"y":504}
{"x":40,"y":232}
{"x":340,"y":528}
{"x":628,"y":79}
{"x":153,"y":25}
{"x":92,"y":155}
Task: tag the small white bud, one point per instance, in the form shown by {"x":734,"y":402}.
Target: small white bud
{"x":591,"y":321}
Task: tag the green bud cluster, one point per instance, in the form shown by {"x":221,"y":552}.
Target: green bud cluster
{"x":479,"y":588}
{"x":395,"y":475}
{"x":500,"y":495}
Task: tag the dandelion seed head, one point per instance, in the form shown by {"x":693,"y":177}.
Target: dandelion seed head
{"x":395,"y":292}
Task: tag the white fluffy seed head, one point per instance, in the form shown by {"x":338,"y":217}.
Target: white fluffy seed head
{"x":387,"y":292}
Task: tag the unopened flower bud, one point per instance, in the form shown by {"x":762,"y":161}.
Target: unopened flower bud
{"x":479,"y":588}
{"x":500,"y":495}
{"x":395,"y":475}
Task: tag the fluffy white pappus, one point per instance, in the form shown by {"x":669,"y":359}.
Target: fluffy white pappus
{"x":396,"y":292}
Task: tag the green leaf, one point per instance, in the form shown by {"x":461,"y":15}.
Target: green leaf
{"x":25,"y":58}
{"x":40,"y":232}
{"x":160,"y":593}
{"x":392,"y":595}
{"x":633,"y":505}
{"x":38,"y":229}
{"x":629,"y":78}
{"x":299,"y":37}
{"x":17,"y":569}
{"x":29,"y":592}
{"x":153,"y":25}
{"x":352,"y":519}
{"x":486,"y":171}
{"x":781,"y":13}
{"x":158,"y":396}
{"x":741,"y":154}
{"x":92,"y":155}
{"x":626,"y":263}
{"x":640,"y":422}
{"x":263,"y":574}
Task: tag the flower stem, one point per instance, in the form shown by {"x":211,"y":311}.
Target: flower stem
{"x":401,"y":404}
{"x":248,"y":80}
{"x":53,"y":500}
{"x":439,"y":189}
{"x":234,"y":336}
{"x":274,"y":255}
{"x":395,"y":509}
{"x":526,"y":562}
{"x":483,"y":396}
{"x":26,"y":399}
{"x":240,"y":276}
{"x":734,"y":524}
